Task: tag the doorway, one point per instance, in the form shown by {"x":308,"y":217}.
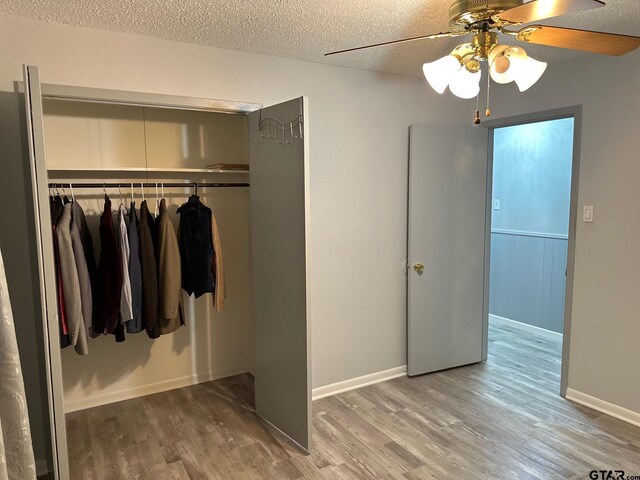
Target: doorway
{"x":449,"y":241}
{"x":531,"y":218}
{"x":531,"y":195}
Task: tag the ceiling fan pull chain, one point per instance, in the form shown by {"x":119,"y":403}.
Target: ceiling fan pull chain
{"x":476,"y":117}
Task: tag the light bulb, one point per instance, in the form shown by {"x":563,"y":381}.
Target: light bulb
{"x":530,"y":73}
{"x":440,"y":72}
{"x":465,"y":84}
{"x":506,"y":62}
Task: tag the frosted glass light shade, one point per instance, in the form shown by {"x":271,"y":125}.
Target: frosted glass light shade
{"x":465,"y":84}
{"x":530,"y":73}
{"x":440,"y":72}
{"x":506,"y":63}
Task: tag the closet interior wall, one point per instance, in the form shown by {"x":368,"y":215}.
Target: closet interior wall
{"x":93,"y":142}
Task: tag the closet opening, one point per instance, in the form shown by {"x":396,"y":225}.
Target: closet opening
{"x":215,"y":361}
{"x":532,"y":229}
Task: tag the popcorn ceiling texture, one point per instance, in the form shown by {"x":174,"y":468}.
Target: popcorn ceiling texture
{"x":305,"y":29}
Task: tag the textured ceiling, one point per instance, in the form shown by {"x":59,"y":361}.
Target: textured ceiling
{"x":305,"y":29}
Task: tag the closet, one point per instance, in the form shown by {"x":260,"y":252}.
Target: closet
{"x":87,"y":142}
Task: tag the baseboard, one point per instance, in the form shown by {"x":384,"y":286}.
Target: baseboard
{"x":524,"y":327}
{"x":605,"y":407}
{"x":42,"y":467}
{"x":141,"y":391}
{"x":358,"y":382}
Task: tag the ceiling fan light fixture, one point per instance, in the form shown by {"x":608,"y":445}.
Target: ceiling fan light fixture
{"x":530,"y":73}
{"x":465,"y":84}
{"x":506,"y":63}
{"x":440,"y":73}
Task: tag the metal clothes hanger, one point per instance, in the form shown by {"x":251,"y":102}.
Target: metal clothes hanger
{"x":157,"y":202}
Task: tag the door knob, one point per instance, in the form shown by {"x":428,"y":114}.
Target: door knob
{"x":418,"y":267}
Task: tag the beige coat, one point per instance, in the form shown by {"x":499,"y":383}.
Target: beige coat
{"x":169,"y":274}
{"x":218,"y":267}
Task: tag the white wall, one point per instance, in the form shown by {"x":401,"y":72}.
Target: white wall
{"x":606,"y":305}
{"x":359,"y":142}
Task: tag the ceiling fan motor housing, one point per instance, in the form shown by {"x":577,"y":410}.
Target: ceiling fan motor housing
{"x":464,"y":13}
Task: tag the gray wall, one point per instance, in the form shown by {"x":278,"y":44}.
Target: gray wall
{"x":532,"y":176}
{"x":532,"y":180}
{"x":528,"y":279}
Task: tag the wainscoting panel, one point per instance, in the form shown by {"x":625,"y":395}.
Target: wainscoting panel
{"x":528,"y":278}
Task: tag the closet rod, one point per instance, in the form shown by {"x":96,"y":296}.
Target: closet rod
{"x":147,"y":185}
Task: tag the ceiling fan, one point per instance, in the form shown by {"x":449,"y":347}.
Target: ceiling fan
{"x":485,"y":20}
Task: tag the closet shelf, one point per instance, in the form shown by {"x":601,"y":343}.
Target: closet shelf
{"x":143,"y":170}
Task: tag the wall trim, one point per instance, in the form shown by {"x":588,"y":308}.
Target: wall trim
{"x":358,"y":382}
{"x":525,"y":327}
{"x":158,"y":387}
{"x":605,"y":407}
{"x":521,"y":233}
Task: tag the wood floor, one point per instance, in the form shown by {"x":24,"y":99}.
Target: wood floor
{"x":499,"y":420}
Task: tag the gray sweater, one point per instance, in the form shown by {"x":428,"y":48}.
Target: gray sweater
{"x":71,"y":283}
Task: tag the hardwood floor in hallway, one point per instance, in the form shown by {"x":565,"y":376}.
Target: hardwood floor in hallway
{"x":499,"y":420}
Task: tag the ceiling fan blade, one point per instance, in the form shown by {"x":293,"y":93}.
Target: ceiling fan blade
{"x":586,"y":40}
{"x":536,"y":10}
{"x":404,"y":40}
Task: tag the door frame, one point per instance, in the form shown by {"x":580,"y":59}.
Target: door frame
{"x":574,"y":112}
{"x":55,"y":389}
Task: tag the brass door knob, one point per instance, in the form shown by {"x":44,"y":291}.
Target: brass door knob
{"x":418,"y":267}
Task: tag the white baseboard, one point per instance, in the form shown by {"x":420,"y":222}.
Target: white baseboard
{"x":358,"y":382}
{"x":141,"y":391}
{"x":42,"y":468}
{"x":603,"y":406}
{"x":524,"y":327}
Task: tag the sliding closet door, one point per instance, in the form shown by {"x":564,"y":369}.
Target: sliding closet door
{"x":446,"y":247}
{"x":44,"y":245}
{"x":278,"y":153}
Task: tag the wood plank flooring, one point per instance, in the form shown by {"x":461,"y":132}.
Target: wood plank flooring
{"x":499,"y":420}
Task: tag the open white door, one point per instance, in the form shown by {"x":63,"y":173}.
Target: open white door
{"x":446,"y":247}
{"x":278,"y":152}
{"x":44,"y":239}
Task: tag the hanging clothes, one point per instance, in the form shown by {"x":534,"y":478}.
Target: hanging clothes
{"x":71,"y":283}
{"x":84,"y":280}
{"x":110,"y":277}
{"x":170,"y":316}
{"x":126,"y":308}
{"x":16,"y":452}
{"x":56,"y":211}
{"x":80,"y":222}
{"x":149,"y":272}
{"x":196,"y":247}
{"x":135,"y":274}
{"x":217,"y":266}
{"x":220,"y":292}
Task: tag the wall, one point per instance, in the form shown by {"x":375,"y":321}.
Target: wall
{"x":211,"y":345}
{"x":605,"y":327}
{"x":532,"y":177}
{"x":528,"y":279}
{"x":532,"y":183}
{"x":358,"y":145}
